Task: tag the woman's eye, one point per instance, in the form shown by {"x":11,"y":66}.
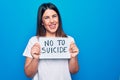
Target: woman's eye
{"x":54,"y":15}
{"x":46,"y":17}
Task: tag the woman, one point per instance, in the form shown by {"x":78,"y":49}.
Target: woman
{"x":49,"y":25}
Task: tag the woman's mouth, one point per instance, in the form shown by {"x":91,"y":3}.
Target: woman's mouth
{"x":52,"y":26}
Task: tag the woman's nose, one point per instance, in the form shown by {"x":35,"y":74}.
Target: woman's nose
{"x":51,"y":20}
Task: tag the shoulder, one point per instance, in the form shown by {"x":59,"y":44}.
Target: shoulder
{"x":33,"y":39}
{"x":69,"y":36}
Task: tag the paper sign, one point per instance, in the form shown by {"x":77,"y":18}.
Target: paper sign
{"x":54,"y":48}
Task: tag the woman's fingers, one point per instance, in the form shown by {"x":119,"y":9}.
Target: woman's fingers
{"x":35,"y":50}
{"x":73,"y":50}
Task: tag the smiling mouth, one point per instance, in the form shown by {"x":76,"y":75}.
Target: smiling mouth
{"x":52,"y":26}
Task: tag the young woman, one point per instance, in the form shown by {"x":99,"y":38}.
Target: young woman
{"x":49,"y":25}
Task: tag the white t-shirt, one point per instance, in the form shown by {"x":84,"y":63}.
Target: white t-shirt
{"x":51,"y":69}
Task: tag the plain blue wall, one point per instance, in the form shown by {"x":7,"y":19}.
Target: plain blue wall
{"x":95,"y":25}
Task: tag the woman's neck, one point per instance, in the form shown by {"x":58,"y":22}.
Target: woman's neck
{"x":50,"y":35}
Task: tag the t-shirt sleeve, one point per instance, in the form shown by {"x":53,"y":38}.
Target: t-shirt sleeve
{"x":71,"y":39}
{"x":31,"y":42}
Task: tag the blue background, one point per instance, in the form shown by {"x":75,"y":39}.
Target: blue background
{"x":95,"y":25}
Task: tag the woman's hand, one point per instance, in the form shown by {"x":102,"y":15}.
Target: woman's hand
{"x":35,"y":51}
{"x":73,"y":50}
{"x":73,"y":62}
{"x":31,"y":64}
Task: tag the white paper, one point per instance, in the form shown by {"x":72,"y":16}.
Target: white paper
{"x":54,"y":48}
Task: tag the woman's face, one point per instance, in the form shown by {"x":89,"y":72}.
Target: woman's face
{"x":50,"y":21}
